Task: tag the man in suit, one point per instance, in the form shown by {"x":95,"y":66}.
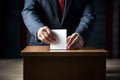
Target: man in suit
{"x":40,"y":16}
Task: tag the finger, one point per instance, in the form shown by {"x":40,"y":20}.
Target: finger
{"x":71,"y":39}
{"x":77,"y":46}
{"x":68,"y":38}
{"x":74,"y":43}
{"x":49,"y":38}
{"x":77,"y":43}
{"x":48,"y":30}
{"x":80,"y":44}
{"x":44,"y":34}
{"x":45,"y":39}
{"x":52,"y":36}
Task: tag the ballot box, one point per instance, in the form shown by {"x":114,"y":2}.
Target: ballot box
{"x":41,"y":63}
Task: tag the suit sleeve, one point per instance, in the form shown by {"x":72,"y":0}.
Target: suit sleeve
{"x":31,"y":17}
{"x":86,"y":21}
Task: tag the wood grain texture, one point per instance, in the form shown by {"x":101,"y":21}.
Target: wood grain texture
{"x":45,"y":51}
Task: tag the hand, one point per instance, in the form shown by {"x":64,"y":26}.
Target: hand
{"x":75,"y":41}
{"x":46,"y":35}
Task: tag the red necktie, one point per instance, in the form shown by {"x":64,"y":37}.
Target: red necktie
{"x":61,"y":4}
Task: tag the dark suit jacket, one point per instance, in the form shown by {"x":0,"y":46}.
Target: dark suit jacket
{"x":78,"y":16}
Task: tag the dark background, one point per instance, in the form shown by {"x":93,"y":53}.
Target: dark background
{"x":13,"y":32}
{"x":10,"y":29}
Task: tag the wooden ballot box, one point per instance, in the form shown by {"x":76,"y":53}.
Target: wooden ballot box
{"x":41,"y":63}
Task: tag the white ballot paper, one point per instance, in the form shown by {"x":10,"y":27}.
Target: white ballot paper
{"x":61,"y":39}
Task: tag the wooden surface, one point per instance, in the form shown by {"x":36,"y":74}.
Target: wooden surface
{"x":45,"y":51}
{"x":41,"y":63}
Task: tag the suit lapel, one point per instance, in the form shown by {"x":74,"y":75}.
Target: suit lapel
{"x":54,"y":5}
{"x":67,"y":5}
{"x":55,"y":9}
